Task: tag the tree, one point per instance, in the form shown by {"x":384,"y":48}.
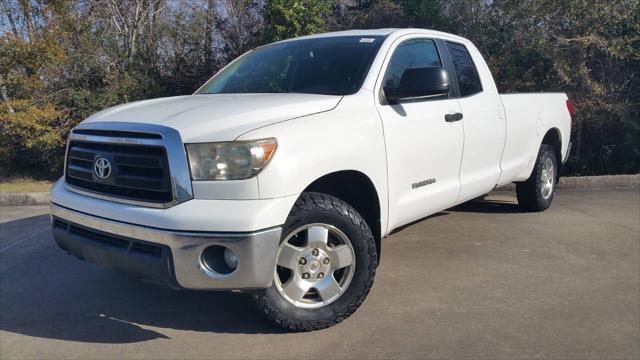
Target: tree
{"x":291,"y":18}
{"x":63,"y":60}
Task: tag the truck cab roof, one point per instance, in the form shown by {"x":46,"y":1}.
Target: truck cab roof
{"x":381,"y":32}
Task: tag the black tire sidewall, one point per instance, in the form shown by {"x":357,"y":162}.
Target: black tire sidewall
{"x":530,"y":192}
{"x":361,"y":241}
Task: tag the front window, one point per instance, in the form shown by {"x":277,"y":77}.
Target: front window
{"x":330,"y":66}
{"x":414,"y":53}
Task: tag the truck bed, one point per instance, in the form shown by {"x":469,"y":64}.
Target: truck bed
{"x":526,"y":114}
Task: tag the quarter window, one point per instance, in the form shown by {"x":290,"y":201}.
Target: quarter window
{"x":415,"y":53}
{"x":468,"y":79}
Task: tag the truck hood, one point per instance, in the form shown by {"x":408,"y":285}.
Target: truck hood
{"x":217,"y":117}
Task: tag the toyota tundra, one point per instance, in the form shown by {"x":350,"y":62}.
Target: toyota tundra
{"x":282,"y":174}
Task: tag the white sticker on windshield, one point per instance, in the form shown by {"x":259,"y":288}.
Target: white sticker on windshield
{"x":367,"y":40}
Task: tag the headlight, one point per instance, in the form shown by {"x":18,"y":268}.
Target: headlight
{"x":229,"y":160}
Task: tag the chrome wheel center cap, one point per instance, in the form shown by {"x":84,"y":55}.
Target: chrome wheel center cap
{"x":314,"y":266}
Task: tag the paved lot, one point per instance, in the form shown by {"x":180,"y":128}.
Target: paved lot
{"x":482,"y":280}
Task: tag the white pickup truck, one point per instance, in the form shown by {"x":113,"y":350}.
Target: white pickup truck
{"x":282,"y":173}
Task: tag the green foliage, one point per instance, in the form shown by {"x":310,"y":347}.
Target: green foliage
{"x":422,"y":13}
{"x":63,"y":60}
{"x":24,"y":64}
{"x":588,"y":49}
{"x":290,"y":18}
{"x":32,"y":140}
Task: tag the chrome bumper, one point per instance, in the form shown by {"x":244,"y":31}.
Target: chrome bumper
{"x":256,"y":251}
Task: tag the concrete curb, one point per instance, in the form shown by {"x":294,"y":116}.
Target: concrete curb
{"x":593,"y":182}
{"x":18,"y":199}
{"x":579,"y":182}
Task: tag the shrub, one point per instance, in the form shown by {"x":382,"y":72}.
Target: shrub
{"x":32,"y":140}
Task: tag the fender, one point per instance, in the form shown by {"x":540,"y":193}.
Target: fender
{"x":358,"y":145}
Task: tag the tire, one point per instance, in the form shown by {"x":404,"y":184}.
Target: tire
{"x":536,"y":194}
{"x":311,"y":216}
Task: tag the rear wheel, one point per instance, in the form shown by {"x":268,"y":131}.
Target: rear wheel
{"x":536,"y":194}
{"x":325,"y":265}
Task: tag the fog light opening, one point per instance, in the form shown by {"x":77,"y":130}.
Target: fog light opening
{"x":219,"y":259}
{"x":230,"y":258}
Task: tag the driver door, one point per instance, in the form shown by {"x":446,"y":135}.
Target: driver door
{"x":424,"y":151}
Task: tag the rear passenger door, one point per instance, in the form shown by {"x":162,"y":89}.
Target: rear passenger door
{"x":484,"y":123}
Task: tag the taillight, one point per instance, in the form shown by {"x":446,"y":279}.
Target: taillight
{"x":570,"y":108}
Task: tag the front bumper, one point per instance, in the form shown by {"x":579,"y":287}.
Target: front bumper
{"x":196,"y":215}
{"x":171,"y":257}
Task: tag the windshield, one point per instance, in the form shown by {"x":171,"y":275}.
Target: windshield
{"x":330,"y":66}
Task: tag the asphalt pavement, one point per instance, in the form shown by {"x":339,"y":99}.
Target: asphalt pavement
{"x":482,"y":280}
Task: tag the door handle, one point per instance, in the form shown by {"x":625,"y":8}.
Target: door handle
{"x":453,"y":117}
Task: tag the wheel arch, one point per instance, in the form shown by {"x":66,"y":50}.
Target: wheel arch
{"x":553,"y":138}
{"x":356,"y":189}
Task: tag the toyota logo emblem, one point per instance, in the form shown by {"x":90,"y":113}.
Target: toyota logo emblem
{"x":102,"y":168}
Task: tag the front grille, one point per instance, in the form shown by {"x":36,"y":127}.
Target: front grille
{"x":138,"y":172}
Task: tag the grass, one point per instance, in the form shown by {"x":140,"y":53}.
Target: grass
{"x":24,"y":185}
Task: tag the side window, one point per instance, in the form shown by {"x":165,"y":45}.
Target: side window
{"x":468,"y":79}
{"x":415,"y":53}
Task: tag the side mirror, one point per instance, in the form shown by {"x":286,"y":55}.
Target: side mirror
{"x":418,"y":83}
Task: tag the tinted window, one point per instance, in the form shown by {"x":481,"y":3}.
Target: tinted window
{"x":468,"y":79}
{"x":411,"y":54}
{"x":331,"y":65}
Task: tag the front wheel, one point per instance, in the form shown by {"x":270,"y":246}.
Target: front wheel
{"x":325,"y":265}
{"x":537,"y":192}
